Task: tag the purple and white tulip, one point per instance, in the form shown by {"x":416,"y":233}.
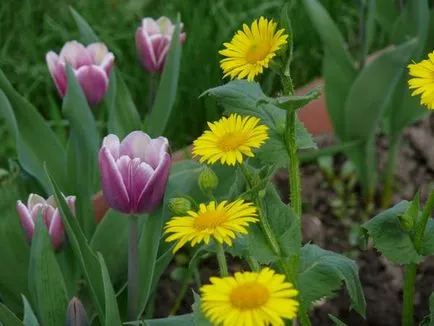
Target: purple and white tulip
{"x":91,"y":66}
{"x":134,"y":172}
{"x":153,"y":41}
{"x":50,"y":215}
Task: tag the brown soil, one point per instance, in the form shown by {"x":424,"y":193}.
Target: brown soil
{"x":381,"y":280}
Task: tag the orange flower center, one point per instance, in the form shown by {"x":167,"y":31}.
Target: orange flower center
{"x":231,"y":141}
{"x":251,"y":295}
{"x":210,"y":219}
{"x":258,"y":52}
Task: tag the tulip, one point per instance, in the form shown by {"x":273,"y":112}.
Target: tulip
{"x":153,"y":41}
{"x":91,"y":66}
{"x":50,"y":215}
{"x":134,"y":172}
{"x":76,"y":314}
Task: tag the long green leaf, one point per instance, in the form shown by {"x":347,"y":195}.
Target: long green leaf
{"x":112,"y":317}
{"x":7,"y":317}
{"x":166,"y":94}
{"x":46,"y":283}
{"x":84,"y":254}
{"x":36,"y":142}
{"x":378,"y":80}
{"x":29,"y":316}
{"x":86,"y":32}
{"x":82,"y":151}
{"x":338,"y":67}
{"x":386,"y":14}
{"x":122,"y":112}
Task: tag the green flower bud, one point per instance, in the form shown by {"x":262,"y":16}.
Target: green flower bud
{"x":76,"y":315}
{"x":208,"y":180}
{"x":179,"y":205}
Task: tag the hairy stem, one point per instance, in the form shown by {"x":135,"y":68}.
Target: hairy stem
{"x":221,"y":259}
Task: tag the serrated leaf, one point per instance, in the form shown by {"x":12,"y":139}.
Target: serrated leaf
{"x":29,"y":316}
{"x":7,"y":317}
{"x":322,"y":273}
{"x":167,"y":90}
{"x":46,"y":283}
{"x":336,"y":320}
{"x":112,"y":317}
{"x":28,"y":128}
{"x":390,"y":238}
{"x":294,"y":102}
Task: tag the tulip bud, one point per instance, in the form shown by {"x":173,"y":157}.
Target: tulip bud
{"x":179,"y":205}
{"x":76,"y":314}
{"x":134,"y":172}
{"x":208,"y":180}
{"x":153,"y":41}
{"x":91,"y":66}
{"x":50,"y":215}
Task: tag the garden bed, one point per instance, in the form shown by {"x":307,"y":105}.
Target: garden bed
{"x":382,"y":281}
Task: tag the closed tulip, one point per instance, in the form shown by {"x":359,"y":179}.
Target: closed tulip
{"x":134,"y":172}
{"x":91,"y":66}
{"x":50,"y":214}
{"x":153,"y":41}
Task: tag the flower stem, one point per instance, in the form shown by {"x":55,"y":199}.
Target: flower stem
{"x":293,"y":169}
{"x":253,"y":264}
{"x":133,"y":273}
{"x":390,"y":172}
{"x":182,"y":292}
{"x":410,"y":271}
{"x":221,"y":259}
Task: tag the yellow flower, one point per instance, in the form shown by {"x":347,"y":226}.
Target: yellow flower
{"x":423,"y":81}
{"x":249,"y":299}
{"x":219,"y":221}
{"x":230,"y":138}
{"x":252,"y":49}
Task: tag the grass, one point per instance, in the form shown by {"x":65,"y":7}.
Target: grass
{"x":29,"y":29}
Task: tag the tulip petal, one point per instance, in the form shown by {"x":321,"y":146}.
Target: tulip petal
{"x":165,"y":25}
{"x":94,"y":82}
{"x":56,"y":230}
{"x":156,"y":150}
{"x":145,"y":50}
{"x":57,"y":72}
{"x":97,"y":52}
{"x":150,"y":26}
{"x":112,"y":143}
{"x":141,"y":174}
{"x":113,"y":186}
{"x":107,"y":63}
{"x":26,"y":220}
{"x":75,"y":54}
{"x":70,"y":200}
{"x":135,"y":144}
{"x":33,"y":200}
{"x":152,"y":194}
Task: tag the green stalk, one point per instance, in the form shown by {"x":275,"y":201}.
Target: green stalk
{"x":253,"y":264}
{"x":390,"y":172}
{"x":133,"y":273}
{"x":182,"y":292}
{"x":410,"y":272}
{"x":293,"y":170}
{"x":221,"y":259}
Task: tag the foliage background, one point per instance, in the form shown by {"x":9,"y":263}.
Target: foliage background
{"x":30,"y":28}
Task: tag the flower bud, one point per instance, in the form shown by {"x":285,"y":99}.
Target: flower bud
{"x":179,"y":206}
{"x":134,"y":172}
{"x":153,"y":41}
{"x":76,"y":314}
{"x":50,"y":215}
{"x":208,"y":180}
{"x":91,"y":66}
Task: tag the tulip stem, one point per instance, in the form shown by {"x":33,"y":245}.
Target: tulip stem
{"x":133,"y":273}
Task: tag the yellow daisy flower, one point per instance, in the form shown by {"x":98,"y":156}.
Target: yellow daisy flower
{"x":249,"y":299}
{"x":423,"y":81}
{"x":219,"y":221}
{"x":230,"y":138}
{"x":252,"y":49}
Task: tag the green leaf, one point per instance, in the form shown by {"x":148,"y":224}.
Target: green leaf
{"x":294,"y":102}
{"x":111,"y":240}
{"x":87,"y":35}
{"x":29,"y":316}
{"x":378,"y":79}
{"x":337,"y":321}
{"x":285,"y":22}
{"x":29,"y":129}
{"x":338,"y":67}
{"x":428,"y":239}
{"x":182,"y":320}
{"x":166,"y":93}
{"x":386,"y":14}
{"x":322,"y":272}
{"x":123,"y":117}
{"x":370,"y":26}
{"x":199,"y":317}
{"x":82,"y":151}
{"x":390,"y":238}
{"x":112,"y":317}
{"x":84,"y":254}
{"x":431,"y":309}
{"x":46,"y":284}
{"x":7,"y":317}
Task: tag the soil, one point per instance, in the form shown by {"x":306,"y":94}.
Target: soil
{"x":381,"y":280}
